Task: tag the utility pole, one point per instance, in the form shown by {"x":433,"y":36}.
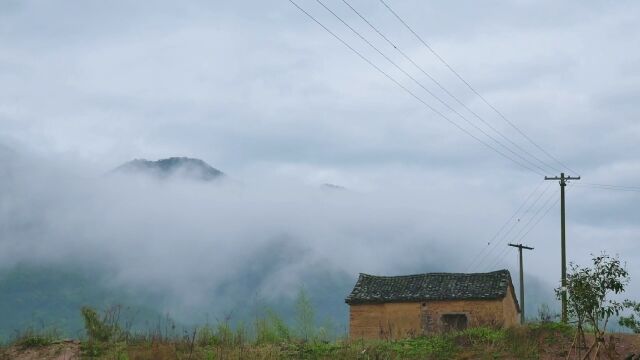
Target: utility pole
{"x":563,"y":253}
{"x":520,"y":247}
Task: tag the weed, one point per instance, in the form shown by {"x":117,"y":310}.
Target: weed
{"x":32,"y":338}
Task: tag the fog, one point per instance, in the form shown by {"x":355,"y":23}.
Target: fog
{"x":271,"y":99}
{"x":190,"y":240}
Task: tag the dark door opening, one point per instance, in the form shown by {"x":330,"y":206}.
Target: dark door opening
{"x":454,"y":322}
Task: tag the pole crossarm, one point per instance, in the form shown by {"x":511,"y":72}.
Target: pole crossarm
{"x":521,"y":246}
{"x":560,"y":177}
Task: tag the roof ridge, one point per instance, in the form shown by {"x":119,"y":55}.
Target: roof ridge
{"x":436,"y":273}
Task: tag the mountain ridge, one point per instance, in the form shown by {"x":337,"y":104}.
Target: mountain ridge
{"x":191,"y":168}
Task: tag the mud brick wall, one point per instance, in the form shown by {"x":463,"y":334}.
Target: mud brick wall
{"x":401,"y":320}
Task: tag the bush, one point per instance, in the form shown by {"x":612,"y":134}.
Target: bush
{"x":271,"y":329}
{"x":103,"y":329}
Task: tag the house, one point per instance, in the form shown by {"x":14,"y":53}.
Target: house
{"x":382,"y":307}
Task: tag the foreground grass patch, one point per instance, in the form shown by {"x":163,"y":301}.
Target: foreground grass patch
{"x":476,"y":343}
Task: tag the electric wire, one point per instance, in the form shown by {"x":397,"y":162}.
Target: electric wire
{"x":439,"y":85}
{"x":506,"y":249}
{"x":425,"y":88}
{"x":411,"y":93}
{"x":445,"y":63}
{"x":504,"y":226}
{"x":609,"y":187}
{"x":539,"y":219}
{"x":544,"y":205}
{"x":503,"y":238}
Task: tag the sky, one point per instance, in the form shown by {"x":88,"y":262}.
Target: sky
{"x":261,"y":92}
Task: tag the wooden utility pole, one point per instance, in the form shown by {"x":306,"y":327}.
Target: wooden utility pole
{"x":563,"y":253}
{"x":520,"y":247}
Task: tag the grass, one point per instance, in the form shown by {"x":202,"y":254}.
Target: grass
{"x":269,"y":337}
{"x":208,"y":343}
{"x":32,"y":338}
{"x":221,"y":343}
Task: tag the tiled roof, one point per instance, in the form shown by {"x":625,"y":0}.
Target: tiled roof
{"x":430,"y":286}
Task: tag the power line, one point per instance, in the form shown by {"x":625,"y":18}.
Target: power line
{"x":498,"y":258}
{"x":504,"y":252}
{"x":608,"y":187}
{"x":520,"y":235}
{"x":481,"y":253}
{"x":501,"y":256}
{"x":406,"y":89}
{"x":503,"y":238}
{"x":443,"y":61}
{"x":542,"y":217}
{"x":426,"y":89}
{"x":526,"y":228}
{"x":435,"y":81}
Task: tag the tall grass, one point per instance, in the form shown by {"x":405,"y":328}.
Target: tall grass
{"x":268,"y":336}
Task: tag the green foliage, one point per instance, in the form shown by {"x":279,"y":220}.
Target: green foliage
{"x":206,"y":336}
{"x":224,"y":342}
{"x":588,"y":290}
{"x":105,"y":335}
{"x":552,"y":332}
{"x":271,"y":329}
{"x":103,"y":329}
{"x":305,"y":316}
{"x":32,"y":338}
{"x":438,"y":347}
{"x":224,"y":334}
{"x":484,"y":335}
{"x":632,"y":321}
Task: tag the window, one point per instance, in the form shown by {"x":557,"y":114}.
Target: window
{"x":452,"y":322}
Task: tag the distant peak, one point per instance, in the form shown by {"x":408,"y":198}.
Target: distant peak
{"x":330,"y":186}
{"x":191,"y":168}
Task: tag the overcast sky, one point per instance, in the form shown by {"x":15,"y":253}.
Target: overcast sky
{"x":259,"y":91}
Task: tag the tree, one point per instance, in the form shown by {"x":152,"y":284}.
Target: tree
{"x":588,"y":291}
{"x":632,"y":321}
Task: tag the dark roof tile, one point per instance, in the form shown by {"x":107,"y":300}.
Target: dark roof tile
{"x":430,"y":286}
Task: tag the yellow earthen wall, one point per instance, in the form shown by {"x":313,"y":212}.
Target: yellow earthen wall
{"x":479,"y":312}
{"x":384,"y":321}
{"x":401,"y":320}
{"x":511,"y":314}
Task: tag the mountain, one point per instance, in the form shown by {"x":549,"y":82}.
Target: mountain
{"x":50,"y":297}
{"x":185,"y":167}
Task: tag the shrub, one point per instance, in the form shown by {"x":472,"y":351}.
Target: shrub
{"x":632,"y":322}
{"x":271,"y":329}
{"x":101,"y":329}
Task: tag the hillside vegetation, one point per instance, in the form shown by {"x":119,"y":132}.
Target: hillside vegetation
{"x":268,"y":337}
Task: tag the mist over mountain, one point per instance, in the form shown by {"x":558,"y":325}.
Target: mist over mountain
{"x":192,"y":249}
{"x":184,"y":167}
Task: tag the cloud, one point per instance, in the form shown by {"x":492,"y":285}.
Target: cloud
{"x":260,"y":92}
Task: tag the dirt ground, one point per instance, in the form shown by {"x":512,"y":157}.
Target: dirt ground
{"x":627,"y":347}
{"x":62,"y":350}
